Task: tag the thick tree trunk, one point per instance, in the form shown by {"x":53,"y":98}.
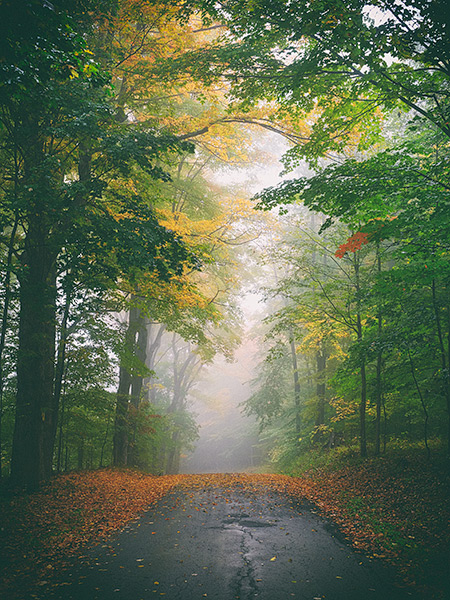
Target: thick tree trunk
{"x":31,"y":455}
{"x":120,"y":439}
{"x":136,"y":388}
{"x":122,"y":420}
{"x":4,"y":326}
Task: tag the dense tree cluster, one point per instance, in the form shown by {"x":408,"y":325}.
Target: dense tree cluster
{"x":105,"y":212}
{"x":112,"y":114}
{"x":364,"y":295}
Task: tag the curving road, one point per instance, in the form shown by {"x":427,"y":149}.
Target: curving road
{"x":223,"y":544}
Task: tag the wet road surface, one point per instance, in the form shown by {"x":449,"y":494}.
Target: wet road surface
{"x":225,"y":545}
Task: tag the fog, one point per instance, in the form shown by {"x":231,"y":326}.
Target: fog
{"x":228,"y":439}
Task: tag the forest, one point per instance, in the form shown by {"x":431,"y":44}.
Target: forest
{"x":129,"y":240}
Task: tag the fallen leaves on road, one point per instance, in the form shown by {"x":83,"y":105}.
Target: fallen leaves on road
{"x":39,"y":531}
{"x":381,"y":512}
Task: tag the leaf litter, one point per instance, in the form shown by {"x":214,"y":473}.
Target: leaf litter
{"x":383,"y":516}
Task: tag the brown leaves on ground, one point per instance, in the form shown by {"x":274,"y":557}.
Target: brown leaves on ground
{"x":393,"y":511}
{"x":39,"y":531}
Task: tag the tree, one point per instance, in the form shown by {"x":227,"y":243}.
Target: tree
{"x":329,"y":60}
{"x":346,"y":67}
{"x":398,"y":198}
{"x":64,"y":147}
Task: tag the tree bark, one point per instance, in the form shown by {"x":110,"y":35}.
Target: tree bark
{"x":105,"y":439}
{"x":51,"y":421}
{"x":80,"y":454}
{"x":297,"y":389}
{"x":154,"y":344}
{"x":379,"y":369}
{"x":186,"y":366}
{"x":136,"y":388}
{"x":444,"y":358}
{"x":120,"y":439}
{"x":173,"y":459}
{"x":60,"y":434}
{"x":362,"y":412}
{"x":123,"y":398}
{"x":4,"y":326}
{"x":363,"y":396}
{"x":30,"y":462}
{"x":422,"y":402}
{"x":379,"y":401}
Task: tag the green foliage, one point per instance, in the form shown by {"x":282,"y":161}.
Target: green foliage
{"x":387,"y":286}
{"x":331,"y":58}
{"x":92,"y":162}
{"x":273,"y":391}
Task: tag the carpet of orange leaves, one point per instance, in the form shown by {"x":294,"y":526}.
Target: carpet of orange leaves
{"x":39,"y":531}
{"x":380,"y":512}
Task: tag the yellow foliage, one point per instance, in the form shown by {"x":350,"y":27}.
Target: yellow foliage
{"x":343,"y":407}
{"x":178,"y":292}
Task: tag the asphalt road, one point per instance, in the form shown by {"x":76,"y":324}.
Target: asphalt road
{"x":225,"y":545}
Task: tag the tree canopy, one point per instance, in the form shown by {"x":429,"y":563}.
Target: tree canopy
{"x":114,"y":117}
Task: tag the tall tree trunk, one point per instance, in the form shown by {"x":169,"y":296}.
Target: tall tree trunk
{"x":422,"y":402}
{"x":448,"y":381}
{"x":4,"y":326}
{"x":186,"y":366}
{"x":379,"y":402}
{"x":120,"y":438}
{"x":35,"y":362}
{"x":379,"y":368}
{"x":60,"y":434}
{"x":362,"y":411}
{"x":154,"y":344}
{"x":122,"y":419}
{"x":66,"y":457}
{"x":444,"y":358}
{"x":173,"y":459}
{"x":51,"y":421}
{"x":136,"y":387}
{"x":105,"y":439}
{"x":321,"y":363}
{"x":297,"y":389}
{"x":80,"y":454}
{"x":363,"y":396}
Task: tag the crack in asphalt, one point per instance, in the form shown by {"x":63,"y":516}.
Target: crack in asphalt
{"x":224,"y":545}
{"x":245,"y":584}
